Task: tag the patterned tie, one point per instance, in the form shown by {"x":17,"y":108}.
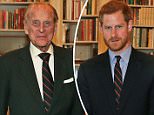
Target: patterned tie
{"x":117,"y":81}
{"x":48,"y":84}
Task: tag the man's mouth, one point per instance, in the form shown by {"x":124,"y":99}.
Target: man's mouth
{"x":114,"y":40}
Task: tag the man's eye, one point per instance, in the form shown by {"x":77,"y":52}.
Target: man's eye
{"x":36,"y":23}
{"x":47,"y":23}
{"x":108,"y":27}
{"x":118,"y":27}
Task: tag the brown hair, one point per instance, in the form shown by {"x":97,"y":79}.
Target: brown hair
{"x":28,"y":11}
{"x":114,"y":6}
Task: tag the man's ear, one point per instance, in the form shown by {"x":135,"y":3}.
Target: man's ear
{"x":25,"y":27}
{"x":55,"y":29}
{"x":130,"y":25}
{"x":101,"y":27}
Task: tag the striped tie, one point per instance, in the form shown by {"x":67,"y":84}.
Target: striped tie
{"x":47,"y":81}
{"x":117,"y":81}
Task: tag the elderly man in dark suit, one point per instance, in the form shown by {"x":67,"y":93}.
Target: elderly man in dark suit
{"x":121,"y":80}
{"x":35,"y":85}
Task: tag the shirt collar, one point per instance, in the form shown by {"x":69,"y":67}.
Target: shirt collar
{"x":35,"y":51}
{"x":124,"y":55}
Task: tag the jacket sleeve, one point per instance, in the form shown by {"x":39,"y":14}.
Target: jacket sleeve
{"x":83,"y":89}
{"x":4,"y":87}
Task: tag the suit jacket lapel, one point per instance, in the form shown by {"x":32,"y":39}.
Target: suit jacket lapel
{"x":59,"y":75}
{"x":132,"y":76}
{"x":58,"y":65}
{"x":107,"y":80}
{"x":28,"y":74}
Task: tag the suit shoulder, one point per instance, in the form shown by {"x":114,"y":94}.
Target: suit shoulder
{"x":12,"y":54}
{"x":93,"y":61}
{"x":145,"y":57}
{"x":63,"y":51}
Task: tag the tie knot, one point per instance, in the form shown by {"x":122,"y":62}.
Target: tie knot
{"x":118,"y":58}
{"x":44,"y":56}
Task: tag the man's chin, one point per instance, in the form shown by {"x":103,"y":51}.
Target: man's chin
{"x":45,"y":44}
{"x":115,"y":49}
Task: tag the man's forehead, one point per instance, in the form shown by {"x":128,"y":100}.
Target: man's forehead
{"x":42,"y":9}
{"x":40,"y":14}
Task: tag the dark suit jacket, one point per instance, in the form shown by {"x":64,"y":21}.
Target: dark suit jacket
{"x":97,"y":89}
{"x":19,"y":88}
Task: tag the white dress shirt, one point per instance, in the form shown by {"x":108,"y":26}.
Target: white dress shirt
{"x":37,"y":62}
